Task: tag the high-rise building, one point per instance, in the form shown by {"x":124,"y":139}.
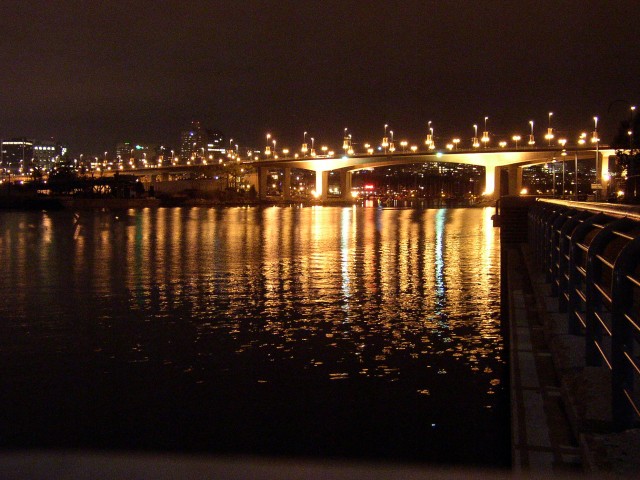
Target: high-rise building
{"x":124,"y":152}
{"x":17,"y":155}
{"x":21,"y":155}
{"x":136,"y":155}
{"x":198,"y":144}
{"x":45,"y":154}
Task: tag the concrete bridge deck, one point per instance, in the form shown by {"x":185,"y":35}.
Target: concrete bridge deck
{"x":492,"y":160}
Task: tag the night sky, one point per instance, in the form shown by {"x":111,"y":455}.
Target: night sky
{"x":94,"y":73}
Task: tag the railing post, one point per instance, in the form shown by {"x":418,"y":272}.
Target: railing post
{"x":593,"y":303}
{"x":548,"y":245}
{"x":564,"y":284}
{"x":556,"y":238}
{"x":575,"y":276}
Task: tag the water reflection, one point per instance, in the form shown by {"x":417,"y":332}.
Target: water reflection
{"x":400,"y":304}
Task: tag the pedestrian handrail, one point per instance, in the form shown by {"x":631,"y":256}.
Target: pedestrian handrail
{"x":590,"y":254}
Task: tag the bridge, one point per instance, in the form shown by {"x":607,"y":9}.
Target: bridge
{"x":493,"y":160}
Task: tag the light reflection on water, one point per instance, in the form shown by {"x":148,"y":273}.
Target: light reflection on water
{"x":396,"y":308}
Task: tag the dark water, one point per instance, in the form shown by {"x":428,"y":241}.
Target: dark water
{"x":336,"y":332}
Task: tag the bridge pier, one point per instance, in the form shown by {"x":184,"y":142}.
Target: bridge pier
{"x":345,"y":184}
{"x":490,"y":173}
{"x":604,"y":175}
{"x":286,"y":184}
{"x":263,"y":173}
{"x":493,"y":180}
{"x":515,"y":179}
{"x":322,"y":185}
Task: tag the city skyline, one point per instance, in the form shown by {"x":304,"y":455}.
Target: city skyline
{"x":477,"y":136}
{"x":92,"y":76}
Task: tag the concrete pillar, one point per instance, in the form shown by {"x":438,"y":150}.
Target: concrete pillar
{"x":263,"y":173}
{"x":286,"y":184}
{"x":604,"y":175}
{"x":322,"y":185}
{"x":164,"y":177}
{"x":345,"y":185}
{"x":491,"y":180}
{"x":515,"y":180}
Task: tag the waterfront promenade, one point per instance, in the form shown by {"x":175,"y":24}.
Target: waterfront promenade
{"x":561,"y":409}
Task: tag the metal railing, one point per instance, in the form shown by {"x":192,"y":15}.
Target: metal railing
{"x":591,"y":256}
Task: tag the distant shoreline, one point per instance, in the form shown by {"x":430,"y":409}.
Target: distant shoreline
{"x":22,"y":202}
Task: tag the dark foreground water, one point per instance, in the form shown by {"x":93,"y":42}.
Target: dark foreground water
{"x":336,"y":332}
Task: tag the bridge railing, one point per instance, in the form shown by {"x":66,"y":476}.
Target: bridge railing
{"x":591,"y":257}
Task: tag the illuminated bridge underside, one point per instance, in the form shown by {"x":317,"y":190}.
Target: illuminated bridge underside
{"x":491,"y":160}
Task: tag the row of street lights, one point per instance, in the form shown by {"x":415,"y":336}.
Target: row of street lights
{"x":387,"y":144}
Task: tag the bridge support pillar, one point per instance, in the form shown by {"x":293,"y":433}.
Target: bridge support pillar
{"x":493,"y":180}
{"x":491,"y":186}
{"x":322,"y":185}
{"x":263,"y":173}
{"x":515,"y":180}
{"x":604,"y":175}
{"x":286,"y":184}
{"x":345,"y":185}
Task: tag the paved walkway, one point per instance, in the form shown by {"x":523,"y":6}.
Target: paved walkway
{"x":542,"y":438}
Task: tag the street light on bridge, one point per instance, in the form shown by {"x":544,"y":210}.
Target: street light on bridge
{"x":429,"y":141}
{"x":532,"y":139}
{"x":596,"y":140}
{"x":633,"y":112}
{"x":594,"y":135}
{"x":455,"y":142}
{"x":549,"y":136}
{"x":485,"y":133}
{"x":345,"y":142}
{"x":516,"y":138}
{"x":583,"y":138}
{"x":304,"y":148}
{"x":474,"y":140}
{"x":385,"y":139}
